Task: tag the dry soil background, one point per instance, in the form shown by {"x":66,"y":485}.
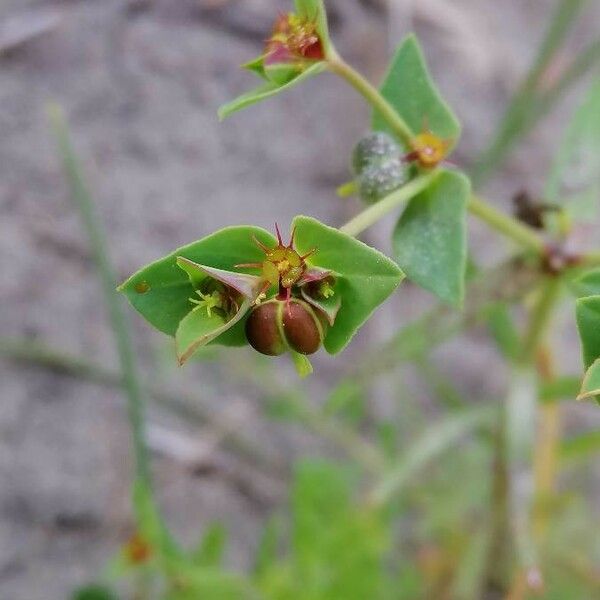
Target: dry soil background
{"x":140,"y":81}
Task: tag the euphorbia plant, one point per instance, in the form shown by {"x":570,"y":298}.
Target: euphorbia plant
{"x":243,"y":286}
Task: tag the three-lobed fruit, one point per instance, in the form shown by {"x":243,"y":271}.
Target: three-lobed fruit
{"x":374,"y":149}
{"x":276,"y":326}
{"x":379,"y":180}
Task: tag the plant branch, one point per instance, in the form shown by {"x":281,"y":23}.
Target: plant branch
{"x":519,"y":437}
{"x":376,"y":211}
{"x":546,"y":447}
{"x":373,"y":97}
{"x":506,"y":225}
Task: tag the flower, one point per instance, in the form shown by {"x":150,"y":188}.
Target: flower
{"x":294,"y":38}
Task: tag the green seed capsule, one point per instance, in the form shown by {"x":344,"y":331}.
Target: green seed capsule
{"x":373,"y":149}
{"x":379,"y":180}
{"x":275,"y":327}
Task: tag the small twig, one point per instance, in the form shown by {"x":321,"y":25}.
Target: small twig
{"x":187,"y":407}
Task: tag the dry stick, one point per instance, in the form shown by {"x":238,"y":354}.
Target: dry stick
{"x":184,"y":406}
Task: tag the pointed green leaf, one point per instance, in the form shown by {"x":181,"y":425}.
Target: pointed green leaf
{"x":504,"y":331}
{"x":430,"y":239}
{"x":198,"y":328}
{"x":588,"y":324}
{"x":408,"y":87}
{"x":591,"y":382}
{"x":256,"y":66}
{"x":266,"y":90}
{"x":364,"y":276}
{"x":209,"y":552}
{"x":303,"y":365}
{"x":94,"y":592}
{"x":587,"y":285}
{"x":150,"y":524}
{"x":574,"y":181}
{"x":160,"y":291}
{"x":267,"y":552}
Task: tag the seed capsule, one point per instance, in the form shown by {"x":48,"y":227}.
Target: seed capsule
{"x":275,"y":327}
{"x":379,"y":180}
{"x":374,"y":149}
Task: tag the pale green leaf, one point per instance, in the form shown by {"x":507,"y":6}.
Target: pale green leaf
{"x":409,"y":88}
{"x":199,"y":328}
{"x":430,"y":239}
{"x":591,"y":382}
{"x":364,"y":276}
{"x":266,"y":90}
{"x":588,"y":324}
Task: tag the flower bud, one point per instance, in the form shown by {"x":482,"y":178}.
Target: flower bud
{"x":379,"y":180}
{"x":374,"y":149}
{"x":276,"y":326}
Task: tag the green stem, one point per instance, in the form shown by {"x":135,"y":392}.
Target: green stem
{"x":82,"y":199}
{"x":502,"y":223}
{"x":519,"y":432}
{"x":373,"y":213}
{"x":508,"y":226}
{"x":540,"y":319}
{"x":373,"y":97}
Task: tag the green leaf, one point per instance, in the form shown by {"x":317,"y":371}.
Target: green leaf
{"x":303,"y":365}
{"x":160,"y":291}
{"x":580,"y":446}
{"x":590,"y":387}
{"x":266,"y":90}
{"x":209,"y":552}
{"x":588,"y":324}
{"x":150,"y":524}
{"x":198,"y":328}
{"x":266,"y":554}
{"x":430,"y":239}
{"x":587,"y":285}
{"x":504,"y":331}
{"x":94,"y":592}
{"x":364,"y":276}
{"x":574,"y":181}
{"x":408,"y":87}
{"x":559,"y":388}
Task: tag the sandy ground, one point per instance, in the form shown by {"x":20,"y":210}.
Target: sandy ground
{"x":140,"y":82}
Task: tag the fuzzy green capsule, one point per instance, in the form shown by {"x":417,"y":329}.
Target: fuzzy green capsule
{"x":378,"y":180}
{"x":374,"y":149}
{"x":275,"y":326}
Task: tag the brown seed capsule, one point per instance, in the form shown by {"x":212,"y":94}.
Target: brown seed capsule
{"x":276,"y":327}
{"x":263,"y":331}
